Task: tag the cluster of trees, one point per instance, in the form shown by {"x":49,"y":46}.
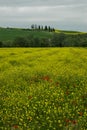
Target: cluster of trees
{"x":29,"y":41}
{"x":57,"y":40}
{"x":42,"y":28}
{"x":68,"y":40}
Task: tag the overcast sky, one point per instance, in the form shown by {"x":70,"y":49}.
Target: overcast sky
{"x":61,"y":14}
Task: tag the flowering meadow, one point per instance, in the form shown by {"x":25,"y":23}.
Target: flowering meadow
{"x":43,"y":89}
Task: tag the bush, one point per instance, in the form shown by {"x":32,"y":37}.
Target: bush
{"x":20,"y":42}
{"x":1,"y":43}
{"x":57,"y":40}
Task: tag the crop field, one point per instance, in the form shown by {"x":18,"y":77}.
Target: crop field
{"x":11,"y":34}
{"x":43,"y":88}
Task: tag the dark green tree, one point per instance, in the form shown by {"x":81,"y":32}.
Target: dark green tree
{"x":58,"y":39}
{"x":39,"y":27}
{"x":21,"y":42}
{"x":46,"y":28}
{"x":32,"y":26}
{"x":49,"y":29}
{"x":1,"y":43}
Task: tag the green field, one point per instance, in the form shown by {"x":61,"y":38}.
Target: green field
{"x":7,"y":34}
{"x":43,"y":89}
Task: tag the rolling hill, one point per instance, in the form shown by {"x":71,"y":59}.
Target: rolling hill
{"x":9,"y":34}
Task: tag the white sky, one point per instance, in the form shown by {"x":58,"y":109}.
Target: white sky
{"x":61,"y":14}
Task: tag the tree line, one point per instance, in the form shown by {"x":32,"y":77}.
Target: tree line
{"x":56,"y":40}
{"x":42,"y":28}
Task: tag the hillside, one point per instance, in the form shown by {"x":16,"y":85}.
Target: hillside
{"x":12,"y":33}
{"x":18,"y":37}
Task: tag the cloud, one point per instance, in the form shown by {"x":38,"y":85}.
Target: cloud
{"x":52,"y":13}
{"x":70,"y":13}
{"x":40,"y":2}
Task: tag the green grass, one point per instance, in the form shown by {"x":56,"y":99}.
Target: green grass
{"x":7,"y":34}
{"x":43,"y":89}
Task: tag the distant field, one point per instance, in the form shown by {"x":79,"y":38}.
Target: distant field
{"x":43,"y":89}
{"x":70,"y":32}
{"x":10,"y":34}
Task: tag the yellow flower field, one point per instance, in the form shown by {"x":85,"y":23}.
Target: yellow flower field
{"x":43,"y":88}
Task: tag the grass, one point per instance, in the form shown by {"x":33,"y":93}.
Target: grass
{"x":43,"y":89}
{"x":7,"y":34}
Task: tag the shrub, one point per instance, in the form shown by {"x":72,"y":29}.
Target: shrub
{"x":1,"y":43}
